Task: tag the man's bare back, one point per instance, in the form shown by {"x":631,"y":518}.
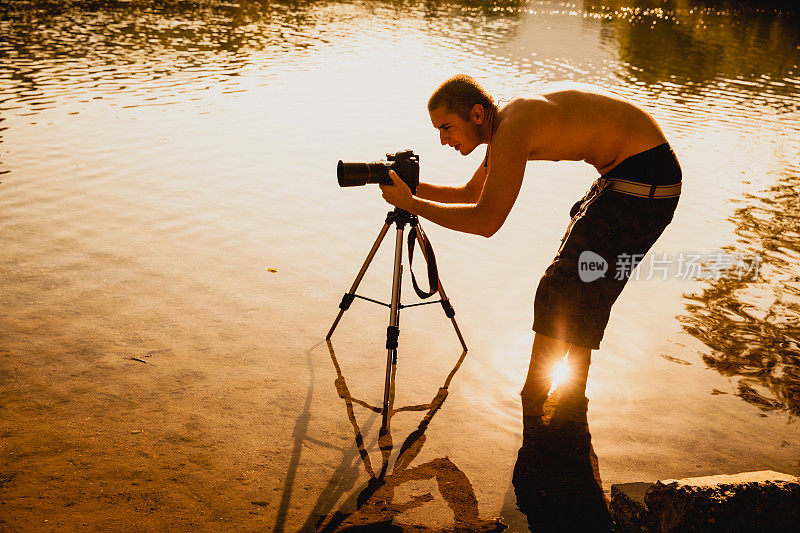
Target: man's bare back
{"x":579,"y":122}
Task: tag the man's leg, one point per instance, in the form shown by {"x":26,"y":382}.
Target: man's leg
{"x":546,"y":353}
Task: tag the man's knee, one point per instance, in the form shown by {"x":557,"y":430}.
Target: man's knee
{"x":547,"y":348}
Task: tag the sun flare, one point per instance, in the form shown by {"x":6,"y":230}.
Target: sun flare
{"x":559,"y":374}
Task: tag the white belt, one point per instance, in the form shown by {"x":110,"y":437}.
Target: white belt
{"x":641,"y":190}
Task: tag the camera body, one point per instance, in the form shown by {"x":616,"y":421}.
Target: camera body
{"x":405,"y":163}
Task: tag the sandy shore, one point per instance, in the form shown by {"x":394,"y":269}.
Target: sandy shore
{"x":118,"y":418}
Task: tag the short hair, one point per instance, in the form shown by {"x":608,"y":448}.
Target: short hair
{"x":460,"y":94}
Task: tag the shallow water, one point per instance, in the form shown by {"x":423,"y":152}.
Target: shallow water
{"x":157,"y":162}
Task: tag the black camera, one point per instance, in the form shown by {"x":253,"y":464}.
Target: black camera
{"x":405,"y":163}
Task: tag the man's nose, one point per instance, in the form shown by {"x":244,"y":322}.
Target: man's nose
{"x":441,"y":138}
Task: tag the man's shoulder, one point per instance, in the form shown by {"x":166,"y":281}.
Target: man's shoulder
{"x":518,"y":124}
{"x":522,"y":115}
{"x":521,"y":110}
{"x":523,"y":104}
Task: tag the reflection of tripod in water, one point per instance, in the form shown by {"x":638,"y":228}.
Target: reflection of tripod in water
{"x":400,"y":218}
{"x":376,"y":505}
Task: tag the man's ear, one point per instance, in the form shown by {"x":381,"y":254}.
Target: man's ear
{"x":478,"y":113}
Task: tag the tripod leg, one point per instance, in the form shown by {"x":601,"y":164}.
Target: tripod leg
{"x":448,"y":309}
{"x":393,"y":331}
{"x":348,"y":298}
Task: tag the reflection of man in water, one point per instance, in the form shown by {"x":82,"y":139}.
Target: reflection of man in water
{"x":620,"y":218}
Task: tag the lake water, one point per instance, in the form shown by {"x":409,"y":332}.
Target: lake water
{"x":168,"y":194}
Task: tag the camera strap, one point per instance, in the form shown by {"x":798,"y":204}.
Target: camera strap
{"x":430,"y":259}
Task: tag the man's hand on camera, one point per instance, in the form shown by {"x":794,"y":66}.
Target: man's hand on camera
{"x":399,"y":195}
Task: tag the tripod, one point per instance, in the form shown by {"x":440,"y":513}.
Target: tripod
{"x":400,"y":218}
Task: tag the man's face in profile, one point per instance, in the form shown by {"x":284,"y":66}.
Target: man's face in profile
{"x":463,"y":135}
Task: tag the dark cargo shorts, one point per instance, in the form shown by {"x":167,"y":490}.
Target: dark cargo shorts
{"x":618,"y":227}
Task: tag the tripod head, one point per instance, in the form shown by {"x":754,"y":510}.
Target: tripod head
{"x":401,"y":217}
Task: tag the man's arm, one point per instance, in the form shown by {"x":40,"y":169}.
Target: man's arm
{"x":469,"y":193}
{"x":507,"y":161}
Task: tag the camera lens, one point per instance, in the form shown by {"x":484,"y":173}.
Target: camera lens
{"x":357,"y":174}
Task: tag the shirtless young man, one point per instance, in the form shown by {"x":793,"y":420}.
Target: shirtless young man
{"x":624,"y":212}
